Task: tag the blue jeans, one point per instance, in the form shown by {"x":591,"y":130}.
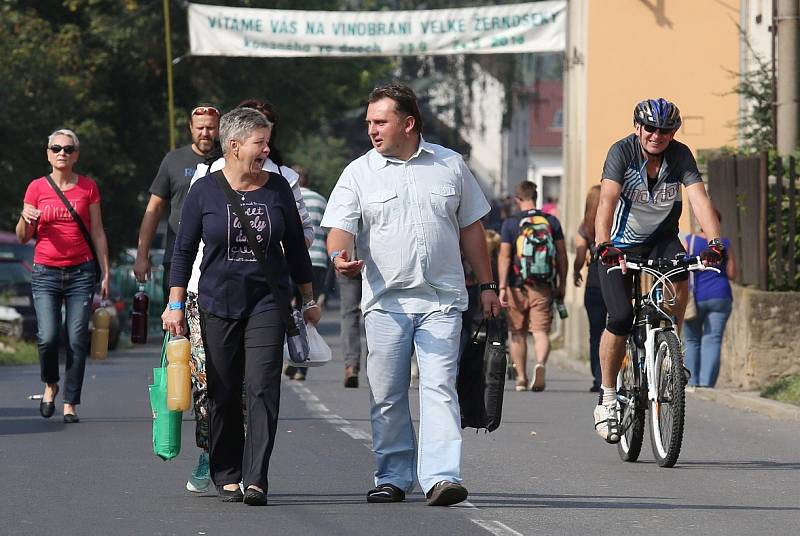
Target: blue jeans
{"x":702,"y":337}
{"x":392,"y":338}
{"x":52,"y":287}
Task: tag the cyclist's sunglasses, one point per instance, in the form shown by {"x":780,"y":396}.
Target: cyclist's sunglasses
{"x":664,"y":131}
{"x":69,"y":149}
{"x":205,"y":110}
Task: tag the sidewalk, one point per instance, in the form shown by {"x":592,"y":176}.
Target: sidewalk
{"x":749,"y":401}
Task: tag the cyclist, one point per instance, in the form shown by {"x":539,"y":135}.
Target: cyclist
{"x":640,"y":204}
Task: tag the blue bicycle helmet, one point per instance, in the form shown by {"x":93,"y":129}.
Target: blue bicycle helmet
{"x":659,"y":113}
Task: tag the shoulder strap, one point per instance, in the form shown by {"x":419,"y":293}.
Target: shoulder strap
{"x":78,"y":220}
{"x":280,"y":298}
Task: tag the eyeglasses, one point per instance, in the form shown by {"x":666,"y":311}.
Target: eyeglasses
{"x":69,"y":149}
{"x":205,"y":110}
{"x":664,"y":131}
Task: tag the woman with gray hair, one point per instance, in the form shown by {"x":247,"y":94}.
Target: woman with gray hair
{"x":243,"y":329}
{"x":63,"y":210}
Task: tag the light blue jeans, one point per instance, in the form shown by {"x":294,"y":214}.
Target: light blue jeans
{"x":392,"y":338}
{"x":702,"y":337}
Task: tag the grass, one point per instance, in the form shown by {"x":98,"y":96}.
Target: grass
{"x":784,"y":390}
{"x":14,"y":352}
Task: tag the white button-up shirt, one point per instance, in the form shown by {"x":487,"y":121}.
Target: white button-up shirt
{"x":407,"y":217}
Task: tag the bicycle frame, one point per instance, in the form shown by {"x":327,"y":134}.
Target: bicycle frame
{"x":648,"y":311}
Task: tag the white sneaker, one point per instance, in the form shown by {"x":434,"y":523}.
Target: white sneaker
{"x":606,"y":422}
{"x":200,"y":480}
{"x":538,"y":378}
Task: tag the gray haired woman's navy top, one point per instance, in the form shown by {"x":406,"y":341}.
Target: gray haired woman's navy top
{"x":232,"y":285}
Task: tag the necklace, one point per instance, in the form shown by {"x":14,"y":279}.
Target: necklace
{"x":242,"y":193}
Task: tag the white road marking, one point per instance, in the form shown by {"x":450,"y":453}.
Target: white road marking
{"x":321,"y":410}
{"x":497,"y":528}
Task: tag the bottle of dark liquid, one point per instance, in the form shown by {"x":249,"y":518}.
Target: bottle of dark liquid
{"x":141,"y":303}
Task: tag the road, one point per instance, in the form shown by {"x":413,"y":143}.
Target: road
{"x":544,"y":471}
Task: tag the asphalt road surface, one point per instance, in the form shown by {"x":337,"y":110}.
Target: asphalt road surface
{"x":544,"y":471}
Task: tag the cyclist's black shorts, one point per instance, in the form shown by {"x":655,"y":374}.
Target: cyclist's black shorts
{"x":618,"y":289}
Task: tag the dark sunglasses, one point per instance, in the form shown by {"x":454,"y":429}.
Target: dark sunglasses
{"x":205,"y":110}
{"x":69,"y":149}
{"x":664,"y":131}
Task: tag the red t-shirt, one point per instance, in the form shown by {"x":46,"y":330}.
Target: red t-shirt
{"x":59,"y":241}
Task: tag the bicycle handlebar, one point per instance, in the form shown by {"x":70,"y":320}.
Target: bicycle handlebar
{"x":688,"y":263}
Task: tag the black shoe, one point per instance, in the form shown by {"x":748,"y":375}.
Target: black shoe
{"x":254,"y":497}
{"x":445,"y":493}
{"x":48,"y":408}
{"x":234,"y":495}
{"x":594,"y":389}
{"x":350,"y":378}
{"x":386,"y":493}
{"x":71,"y":418}
{"x":289,"y":371}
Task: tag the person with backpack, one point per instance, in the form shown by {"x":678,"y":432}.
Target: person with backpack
{"x":532,"y":269}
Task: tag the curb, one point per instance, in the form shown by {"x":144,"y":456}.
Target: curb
{"x":749,"y":401}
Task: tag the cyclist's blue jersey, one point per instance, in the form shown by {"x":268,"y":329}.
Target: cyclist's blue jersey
{"x":642,"y":217}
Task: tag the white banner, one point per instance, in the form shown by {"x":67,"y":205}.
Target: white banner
{"x":230,"y":31}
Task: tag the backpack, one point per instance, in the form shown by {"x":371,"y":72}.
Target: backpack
{"x":535,"y":259}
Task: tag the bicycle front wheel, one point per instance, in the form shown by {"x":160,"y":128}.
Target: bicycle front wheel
{"x":631,"y":406}
{"x":667,"y":411}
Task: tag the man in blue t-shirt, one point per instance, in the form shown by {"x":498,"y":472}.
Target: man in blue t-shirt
{"x":530,"y":281}
{"x":640,"y":204}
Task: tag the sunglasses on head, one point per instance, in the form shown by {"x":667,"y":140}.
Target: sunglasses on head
{"x":205,"y":110}
{"x":69,"y":149}
{"x":664,"y":131}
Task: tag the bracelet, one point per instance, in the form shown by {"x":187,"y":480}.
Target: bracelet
{"x":176,"y":306}
{"x":334,"y":255}
{"x":489,"y":286}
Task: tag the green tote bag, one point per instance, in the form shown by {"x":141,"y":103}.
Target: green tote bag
{"x":166,"y":423}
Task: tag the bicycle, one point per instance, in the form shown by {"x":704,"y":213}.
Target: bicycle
{"x":652,"y":374}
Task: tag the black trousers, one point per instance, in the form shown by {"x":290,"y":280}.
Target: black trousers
{"x":248,"y":348}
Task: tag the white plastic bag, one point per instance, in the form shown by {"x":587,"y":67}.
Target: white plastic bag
{"x":319,"y":352}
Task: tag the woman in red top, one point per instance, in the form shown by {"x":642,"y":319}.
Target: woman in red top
{"x":63,"y":267}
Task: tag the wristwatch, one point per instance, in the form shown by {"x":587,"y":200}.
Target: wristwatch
{"x":334,"y":255}
{"x":489,"y":286}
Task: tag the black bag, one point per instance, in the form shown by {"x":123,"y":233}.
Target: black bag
{"x":482,"y":376}
{"x":81,"y":226}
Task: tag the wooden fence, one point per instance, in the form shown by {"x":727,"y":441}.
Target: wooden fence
{"x":759,"y":214}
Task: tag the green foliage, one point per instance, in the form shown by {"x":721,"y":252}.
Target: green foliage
{"x":323,"y":155}
{"x":784,"y":390}
{"x":14,"y":352}
{"x":97,"y":67}
{"x":755,"y":122}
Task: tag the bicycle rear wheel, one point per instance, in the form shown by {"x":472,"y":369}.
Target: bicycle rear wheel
{"x":668,"y":410}
{"x":631,"y":406}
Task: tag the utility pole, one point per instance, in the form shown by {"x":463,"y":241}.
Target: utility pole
{"x":787,"y":110}
{"x":170,"y":98}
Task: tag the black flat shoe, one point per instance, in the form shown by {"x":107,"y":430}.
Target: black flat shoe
{"x":230,"y":495}
{"x":253,"y":497}
{"x":385,"y":493}
{"x":71,"y":418}
{"x":48,"y":408}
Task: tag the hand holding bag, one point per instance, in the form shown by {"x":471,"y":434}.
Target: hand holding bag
{"x":166,"y":423}
{"x":296,"y":340}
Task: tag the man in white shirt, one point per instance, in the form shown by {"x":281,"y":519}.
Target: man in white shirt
{"x":411,"y":207}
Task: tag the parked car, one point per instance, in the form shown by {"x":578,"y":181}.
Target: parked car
{"x":11,"y":249}
{"x":15,"y":292}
